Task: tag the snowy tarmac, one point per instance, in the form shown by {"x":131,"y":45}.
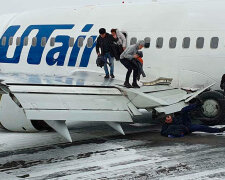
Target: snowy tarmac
{"x":98,"y":152}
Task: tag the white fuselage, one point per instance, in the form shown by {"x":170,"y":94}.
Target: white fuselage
{"x":189,"y":67}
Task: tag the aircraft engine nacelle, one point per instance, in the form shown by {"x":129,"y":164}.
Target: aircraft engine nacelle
{"x":12,"y":117}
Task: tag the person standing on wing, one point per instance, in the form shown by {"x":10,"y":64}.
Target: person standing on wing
{"x":104,"y":42}
{"x":126,"y":59}
{"x":121,"y":41}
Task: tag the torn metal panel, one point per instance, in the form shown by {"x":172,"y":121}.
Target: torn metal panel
{"x":141,"y":100}
{"x":159,"y":81}
{"x":155,"y":98}
{"x":170,"y":96}
{"x":194,"y":95}
{"x":171,"y":108}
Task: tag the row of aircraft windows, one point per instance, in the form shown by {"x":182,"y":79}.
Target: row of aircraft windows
{"x":173,"y":42}
{"x":43,"y":42}
{"x":159,"y":42}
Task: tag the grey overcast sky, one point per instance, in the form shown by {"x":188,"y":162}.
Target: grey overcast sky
{"x":12,"y":6}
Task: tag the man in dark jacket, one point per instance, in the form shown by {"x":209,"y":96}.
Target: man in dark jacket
{"x":180,"y":124}
{"x":105,"y":42}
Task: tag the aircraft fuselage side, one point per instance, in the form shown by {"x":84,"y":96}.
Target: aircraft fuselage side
{"x":189,"y":67}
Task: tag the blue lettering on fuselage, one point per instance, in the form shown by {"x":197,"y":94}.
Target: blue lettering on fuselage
{"x":87,"y":54}
{"x":10,"y":32}
{"x":59,"y":61}
{"x":75,"y":52}
{"x":55,"y":56}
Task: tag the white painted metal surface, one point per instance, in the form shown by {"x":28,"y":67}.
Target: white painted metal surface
{"x":157,"y":88}
{"x":194,"y":95}
{"x":81,"y":102}
{"x":171,"y":109}
{"x":61,"y":128}
{"x":12,"y":117}
{"x":191,"y":67}
{"x":79,"y":115}
{"x":64,"y":90}
{"x":116,"y":126}
{"x":170,"y":96}
{"x":155,"y":96}
{"x":90,"y":104}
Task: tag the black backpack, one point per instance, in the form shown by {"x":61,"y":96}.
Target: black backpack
{"x":100,"y":61}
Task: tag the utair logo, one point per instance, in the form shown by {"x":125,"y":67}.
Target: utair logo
{"x":35,"y":52}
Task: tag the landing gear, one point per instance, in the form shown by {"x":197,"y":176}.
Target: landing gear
{"x":212,"y":111}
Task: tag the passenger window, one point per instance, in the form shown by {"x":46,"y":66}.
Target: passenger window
{"x":4,"y":41}
{"x":186,"y":42}
{"x":90,"y":42}
{"x":200,"y":43}
{"x":34,"y":41}
{"x":43,"y":41}
{"x":214,"y":42}
{"x":10,"y":41}
{"x":173,"y":42}
{"x":133,"y":40}
{"x":18,"y":41}
{"x":147,"y":42}
{"x":80,"y":42}
{"x":71,"y":42}
{"x":25,"y":41}
{"x":52,"y":42}
{"x":159,"y":42}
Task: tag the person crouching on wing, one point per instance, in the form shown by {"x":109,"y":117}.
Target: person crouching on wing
{"x":126,"y":59}
{"x":180,"y":124}
{"x":104,"y":42}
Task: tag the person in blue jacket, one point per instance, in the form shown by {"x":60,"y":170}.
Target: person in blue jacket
{"x":180,"y":124}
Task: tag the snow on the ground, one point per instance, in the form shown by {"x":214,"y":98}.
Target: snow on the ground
{"x":98,"y":154}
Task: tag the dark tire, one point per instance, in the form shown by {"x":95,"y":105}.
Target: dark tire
{"x":220,"y":91}
{"x":211,"y":112}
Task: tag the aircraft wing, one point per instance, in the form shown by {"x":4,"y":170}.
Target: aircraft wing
{"x":58,"y":100}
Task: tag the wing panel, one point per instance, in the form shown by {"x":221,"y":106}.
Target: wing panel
{"x":64,"y":90}
{"x":68,"y":101}
{"x":79,"y":115}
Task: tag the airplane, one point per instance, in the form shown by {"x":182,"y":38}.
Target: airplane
{"x":49,"y":75}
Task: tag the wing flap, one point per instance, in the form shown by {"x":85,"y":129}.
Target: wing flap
{"x":79,"y":115}
{"x":72,"y":102}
